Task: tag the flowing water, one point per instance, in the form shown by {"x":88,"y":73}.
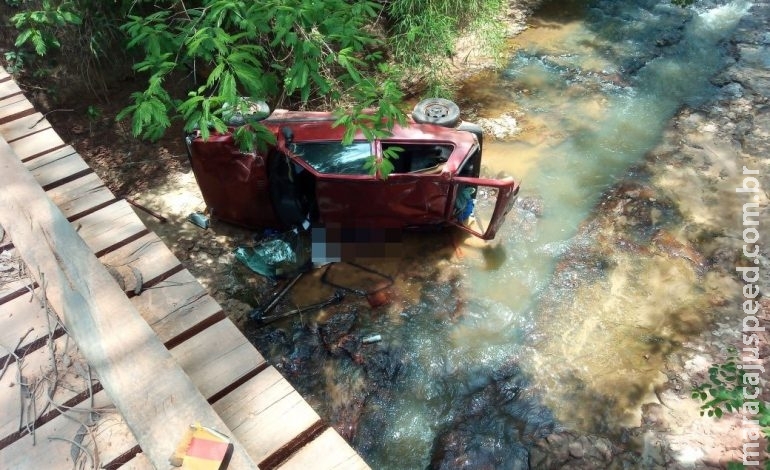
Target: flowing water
{"x":487,"y":357}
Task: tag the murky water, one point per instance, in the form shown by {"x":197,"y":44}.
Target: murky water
{"x":593,"y":97}
{"x":501,"y":346}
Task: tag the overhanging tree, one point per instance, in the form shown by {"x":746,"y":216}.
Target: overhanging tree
{"x":272,"y":50}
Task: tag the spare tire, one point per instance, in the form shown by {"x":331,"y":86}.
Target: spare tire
{"x":437,"y":111}
{"x":244,"y":111}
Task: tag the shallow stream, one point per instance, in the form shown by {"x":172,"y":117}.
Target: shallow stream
{"x":486,"y":349}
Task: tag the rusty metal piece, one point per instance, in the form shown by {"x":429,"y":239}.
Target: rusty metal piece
{"x":338,"y":296}
{"x":260,"y":312}
{"x":162,"y":219}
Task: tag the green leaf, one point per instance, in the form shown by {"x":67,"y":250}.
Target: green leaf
{"x":23,"y":37}
{"x":386,"y":168}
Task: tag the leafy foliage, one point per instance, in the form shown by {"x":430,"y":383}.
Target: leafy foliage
{"x":36,"y":27}
{"x":84,"y":32}
{"x":423,"y":34}
{"x":330,"y":54}
{"x":724,"y":393}
{"x":274,"y":50}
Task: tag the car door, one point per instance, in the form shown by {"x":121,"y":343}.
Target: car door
{"x":418,"y":188}
{"x":348,"y":195}
{"x":345,"y":193}
{"x":479,"y":205}
{"x":428,"y":186}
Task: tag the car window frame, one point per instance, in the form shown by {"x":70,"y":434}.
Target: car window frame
{"x":320,"y":175}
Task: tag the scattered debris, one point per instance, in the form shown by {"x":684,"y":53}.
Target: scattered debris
{"x":371,"y":339}
{"x":338,"y":296}
{"x":261,"y":312}
{"x":202,"y":447}
{"x":142,"y":208}
{"x":200,"y":219}
{"x":360,"y":280}
{"x":281,"y":255}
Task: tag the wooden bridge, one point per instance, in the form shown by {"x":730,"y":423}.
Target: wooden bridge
{"x":109,"y":348}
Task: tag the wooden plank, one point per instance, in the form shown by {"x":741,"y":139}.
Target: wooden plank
{"x":3,"y":74}
{"x":36,"y":370}
{"x":49,"y":157}
{"x":23,"y":127}
{"x":107,"y":226}
{"x":253,"y":409}
{"x":20,"y":315}
{"x":16,"y":108}
{"x":58,"y":166}
{"x":10,"y":100}
{"x":139,"y":462}
{"x":15,"y":288}
{"x":214,"y":359}
{"x":37,"y":144}
{"x":16,"y":278}
{"x":156,"y":398}
{"x":80,"y":195}
{"x":177,"y":306}
{"x":327,"y":451}
{"x":217,"y":357}
{"x":9,"y":88}
{"x":147,"y":254}
{"x":52,"y":444}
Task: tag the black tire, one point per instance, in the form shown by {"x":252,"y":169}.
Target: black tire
{"x":246,"y":110}
{"x":439,"y":111}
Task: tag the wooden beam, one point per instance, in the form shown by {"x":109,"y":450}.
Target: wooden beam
{"x":328,"y":451}
{"x":37,"y":144}
{"x":253,"y":409}
{"x":156,"y":398}
{"x":217,"y":357}
{"x":9,"y":88}
{"x":80,"y":196}
{"x":10,"y":100}
{"x":23,"y":127}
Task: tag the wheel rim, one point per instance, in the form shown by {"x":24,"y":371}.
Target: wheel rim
{"x":436,"y":110}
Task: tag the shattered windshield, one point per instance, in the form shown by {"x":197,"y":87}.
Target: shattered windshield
{"x":333,"y":157}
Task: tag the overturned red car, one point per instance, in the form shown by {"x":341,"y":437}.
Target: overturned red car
{"x":310,"y":178}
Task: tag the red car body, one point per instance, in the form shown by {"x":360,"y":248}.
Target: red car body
{"x":308,"y":176}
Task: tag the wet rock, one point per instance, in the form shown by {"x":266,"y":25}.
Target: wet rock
{"x":351,"y":344}
{"x":466,"y":448}
{"x":667,"y":243}
{"x":533,"y":205}
{"x":237,"y":311}
{"x":442,"y":298}
{"x":757,"y":142}
{"x":654,"y":416}
{"x":337,"y":327}
{"x":502,"y":127}
{"x":576,"y":450}
{"x":494,"y":424}
{"x":654,"y":453}
{"x":567,"y":449}
{"x":382,"y":366}
{"x":307,"y":354}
